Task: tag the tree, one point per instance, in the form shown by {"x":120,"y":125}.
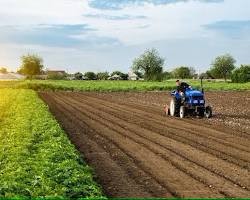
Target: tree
{"x":192,"y":72}
{"x":223,"y":66}
{"x":182,"y":72}
{"x":206,"y":75}
{"x":241,"y":75}
{"x":102,"y":75}
{"x":78,"y":76}
{"x":122,"y":75}
{"x":90,"y":75}
{"x":167,"y":75}
{"x":3,"y":70}
{"x":150,"y":64}
{"x":31,"y":65}
{"x":139,"y":74}
{"x":210,"y":74}
{"x":125,"y":76}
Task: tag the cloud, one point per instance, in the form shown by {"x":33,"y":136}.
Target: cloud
{"x":61,"y":35}
{"x":115,"y":17}
{"x":94,"y":34}
{"x":120,"y":4}
{"x":232,"y":28}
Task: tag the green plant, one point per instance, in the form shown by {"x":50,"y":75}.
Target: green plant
{"x":31,"y":65}
{"x":242,"y":74}
{"x":54,"y":85}
{"x":222,"y":66}
{"x":150,"y":64}
{"x":37,"y":159}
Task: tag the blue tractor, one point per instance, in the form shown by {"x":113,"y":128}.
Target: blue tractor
{"x":191,"y":103}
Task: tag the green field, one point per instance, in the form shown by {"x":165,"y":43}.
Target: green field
{"x":119,"y":85}
{"x":37,"y":158}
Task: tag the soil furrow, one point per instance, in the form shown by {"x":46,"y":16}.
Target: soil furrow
{"x":159,"y":167}
{"x":136,"y":152}
{"x":174,"y":147}
{"x":220,"y":152}
{"x":214,"y":135}
{"x":203,"y":126}
{"x":187,"y":166}
{"x":107,"y":160}
{"x":95,"y":136}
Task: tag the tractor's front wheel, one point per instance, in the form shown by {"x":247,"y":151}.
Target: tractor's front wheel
{"x":208,"y":112}
{"x":172,"y":107}
{"x":182,"y":112}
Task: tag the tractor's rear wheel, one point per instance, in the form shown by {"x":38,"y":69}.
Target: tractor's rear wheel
{"x":172,"y":107}
{"x":208,"y":112}
{"x":182,"y":112}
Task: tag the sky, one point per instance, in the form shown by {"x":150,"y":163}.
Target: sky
{"x":107,"y":35}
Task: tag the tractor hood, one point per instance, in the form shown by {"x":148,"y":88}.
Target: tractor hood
{"x":194,"y":93}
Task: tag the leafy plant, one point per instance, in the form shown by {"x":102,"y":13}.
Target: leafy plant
{"x":37,"y":159}
{"x":222,"y":66}
{"x":31,"y":65}
{"x":242,"y":74}
{"x":52,"y":85}
{"x":150,"y":64}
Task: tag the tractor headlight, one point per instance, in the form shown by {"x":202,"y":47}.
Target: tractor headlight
{"x":195,"y":101}
{"x":202,"y":101}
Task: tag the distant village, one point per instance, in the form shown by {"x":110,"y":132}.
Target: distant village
{"x":63,"y":75}
{"x":148,"y":66}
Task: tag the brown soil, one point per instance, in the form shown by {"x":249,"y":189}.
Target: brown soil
{"x":136,"y":151}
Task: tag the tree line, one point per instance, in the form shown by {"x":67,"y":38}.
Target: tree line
{"x":99,"y":75}
{"x":149,"y":66}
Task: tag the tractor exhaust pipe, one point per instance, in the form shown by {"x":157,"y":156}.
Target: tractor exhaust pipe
{"x":202,"y":89}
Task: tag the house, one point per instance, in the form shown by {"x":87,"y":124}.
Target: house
{"x":115,"y":77}
{"x":132,"y":76}
{"x":71,"y":77}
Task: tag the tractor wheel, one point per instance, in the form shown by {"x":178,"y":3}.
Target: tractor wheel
{"x":182,"y":112}
{"x":208,"y":112}
{"x":201,"y":113}
{"x":172,"y":107}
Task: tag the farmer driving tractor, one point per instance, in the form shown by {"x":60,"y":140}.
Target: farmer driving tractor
{"x":187,"y":101}
{"x":182,"y":86}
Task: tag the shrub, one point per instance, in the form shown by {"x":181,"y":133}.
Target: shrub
{"x":241,"y":75}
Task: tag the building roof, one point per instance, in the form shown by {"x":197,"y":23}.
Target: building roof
{"x":116,"y":76}
{"x":132,"y":74}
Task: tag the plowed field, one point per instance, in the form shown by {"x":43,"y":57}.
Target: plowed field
{"x":136,"y":151}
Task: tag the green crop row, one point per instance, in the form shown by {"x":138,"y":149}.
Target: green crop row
{"x":36,"y":156}
{"x":119,"y":85}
